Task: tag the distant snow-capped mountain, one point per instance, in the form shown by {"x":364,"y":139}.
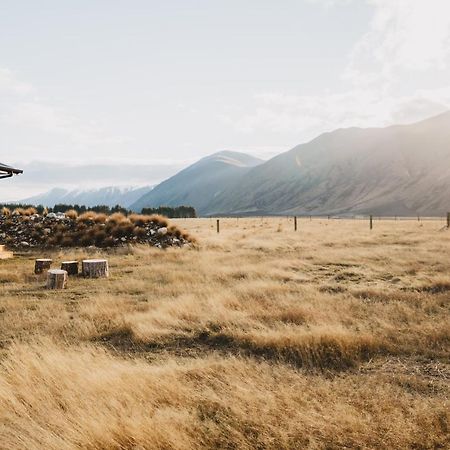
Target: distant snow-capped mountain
{"x":110,"y":196}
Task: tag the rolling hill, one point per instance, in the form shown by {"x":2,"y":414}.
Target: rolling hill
{"x":201,"y":183}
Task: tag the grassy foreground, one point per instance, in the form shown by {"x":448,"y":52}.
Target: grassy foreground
{"x":261,"y":338}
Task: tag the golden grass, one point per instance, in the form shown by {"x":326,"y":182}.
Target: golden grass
{"x":332,"y":337}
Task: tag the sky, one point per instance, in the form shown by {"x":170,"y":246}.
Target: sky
{"x":160,"y":84}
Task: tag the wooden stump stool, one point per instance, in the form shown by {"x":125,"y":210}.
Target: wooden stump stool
{"x":71,"y":267}
{"x":95,"y":268}
{"x":56,"y":279}
{"x":4,"y":254}
{"x":42,"y":264}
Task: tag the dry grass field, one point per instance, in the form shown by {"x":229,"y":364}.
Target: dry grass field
{"x":330,"y":337}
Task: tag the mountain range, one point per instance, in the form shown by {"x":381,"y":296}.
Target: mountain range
{"x":396,"y":170}
{"x":399,"y":170}
{"x":109,"y":196}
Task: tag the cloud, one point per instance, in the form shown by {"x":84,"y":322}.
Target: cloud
{"x":9,"y":84}
{"x":407,"y":40}
{"x":312,"y":115}
{"x":51,"y":130}
{"x":404,"y":36}
{"x":36,"y":115}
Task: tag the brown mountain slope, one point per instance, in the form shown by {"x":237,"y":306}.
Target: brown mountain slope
{"x":399,"y":170}
{"x":199,"y":184}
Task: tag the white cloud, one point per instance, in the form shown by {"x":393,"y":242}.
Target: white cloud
{"x":9,"y":84}
{"x":408,"y":40}
{"x":314,"y":114}
{"x":404,"y":36}
{"x":34,"y":115}
{"x":35,"y":126}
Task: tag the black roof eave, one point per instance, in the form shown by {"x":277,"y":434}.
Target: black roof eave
{"x":10,"y":170}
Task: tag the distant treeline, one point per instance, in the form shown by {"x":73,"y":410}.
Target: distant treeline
{"x":171,"y":212}
{"x":181,"y":212}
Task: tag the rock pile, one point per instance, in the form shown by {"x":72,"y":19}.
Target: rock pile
{"x":89,"y":229}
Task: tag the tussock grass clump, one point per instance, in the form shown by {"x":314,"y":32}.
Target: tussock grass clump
{"x":18,"y":212}
{"x":122,"y":230}
{"x":159,"y":220}
{"x":90,"y":217}
{"x":24,"y":211}
{"x":30,"y":211}
{"x":100,"y":218}
{"x":71,"y":214}
{"x":174,"y":230}
{"x":118,"y":219}
{"x":87,"y":217}
{"x":139,"y":232}
{"x":139,"y":219}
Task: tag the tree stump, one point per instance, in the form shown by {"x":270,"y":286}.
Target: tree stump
{"x":4,"y":254}
{"x":42,"y":264}
{"x":95,"y":268}
{"x":71,"y":267}
{"x":56,"y":279}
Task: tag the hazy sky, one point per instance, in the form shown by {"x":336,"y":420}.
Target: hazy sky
{"x":156,"y":82}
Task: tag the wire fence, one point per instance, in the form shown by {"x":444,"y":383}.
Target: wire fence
{"x":370,"y":219}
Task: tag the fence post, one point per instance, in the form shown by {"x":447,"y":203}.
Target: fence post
{"x":371,"y":221}
{"x":218,"y":226}
{"x":448,"y":220}
{"x":295,"y":223}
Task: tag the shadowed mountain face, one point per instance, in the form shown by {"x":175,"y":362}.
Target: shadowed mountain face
{"x":201,"y":183}
{"x":399,"y":170}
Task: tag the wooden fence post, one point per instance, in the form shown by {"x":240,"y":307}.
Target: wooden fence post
{"x":218,"y":226}
{"x":448,"y":220}
{"x":295,"y":223}
{"x":371,"y":221}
